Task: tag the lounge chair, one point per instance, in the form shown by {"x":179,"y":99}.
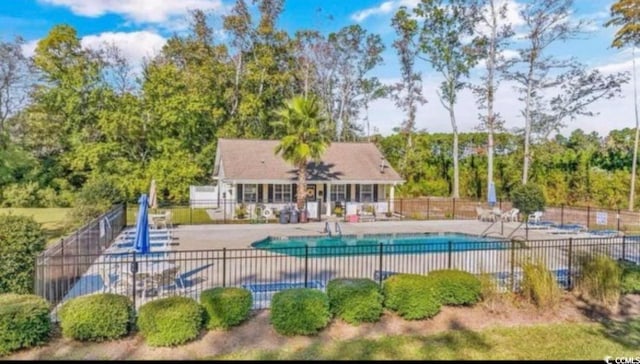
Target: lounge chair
{"x":535,"y":217}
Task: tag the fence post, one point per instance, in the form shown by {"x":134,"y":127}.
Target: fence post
{"x":618,"y":220}
{"x":569,"y":283}
{"x":401,"y":211}
{"x":453,"y":214}
{"x":62,"y":248}
{"x":306,"y":265}
{"x":134,"y":270}
{"x":224,"y":267}
{"x":428,"y":199}
{"x":588,"y":215}
{"x":624,"y":247}
{"x":562,"y":214}
{"x":513,"y":266}
{"x":380,"y":265}
{"x":224,"y":209}
{"x":190,"y":215}
{"x":125,"y":214}
{"x":449,"y":250}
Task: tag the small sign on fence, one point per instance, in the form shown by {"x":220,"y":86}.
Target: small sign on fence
{"x":601,"y":218}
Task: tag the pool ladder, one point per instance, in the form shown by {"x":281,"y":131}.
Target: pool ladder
{"x":337,"y":228}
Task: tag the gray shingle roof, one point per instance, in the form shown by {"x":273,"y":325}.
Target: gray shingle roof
{"x":253,"y":160}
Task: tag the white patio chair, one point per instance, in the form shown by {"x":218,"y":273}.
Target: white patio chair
{"x":535,"y":217}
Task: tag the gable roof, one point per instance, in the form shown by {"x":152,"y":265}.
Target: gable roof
{"x":250,"y":160}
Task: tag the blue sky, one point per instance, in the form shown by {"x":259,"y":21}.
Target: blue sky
{"x":140,"y":27}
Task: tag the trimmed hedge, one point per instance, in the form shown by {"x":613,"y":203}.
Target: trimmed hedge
{"x":99,"y":317}
{"x":170,"y":321}
{"x":412,"y":296}
{"x":630,"y":283}
{"x":355,"y":300}
{"x":22,"y":240}
{"x":300,"y":311}
{"x":225,"y":307}
{"x":456,"y":287}
{"x":24,"y":322}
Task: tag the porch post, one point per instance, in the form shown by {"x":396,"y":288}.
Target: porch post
{"x":391,"y":197}
{"x":328,"y":194}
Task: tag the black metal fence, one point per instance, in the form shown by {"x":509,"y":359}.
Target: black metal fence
{"x":62,"y":264}
{"x":145,"y":277}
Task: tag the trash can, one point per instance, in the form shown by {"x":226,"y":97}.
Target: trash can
{"x":294,"y":217}
{"x":284,"y":216}
{"x":303,"y":216}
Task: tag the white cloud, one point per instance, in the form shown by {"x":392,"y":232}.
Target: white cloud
{"x":384,"y":8}
{"x":138,"y":11}
{"x":134,"y":45}
{"x":29,"y":48}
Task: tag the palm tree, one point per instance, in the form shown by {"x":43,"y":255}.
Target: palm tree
{"x":306,"y":137}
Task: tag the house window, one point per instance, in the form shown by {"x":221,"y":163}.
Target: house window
{"x":339,"y":193}
{"x":366,"y":193}
{"x":250,"y":193}
{"x":281,"y":193}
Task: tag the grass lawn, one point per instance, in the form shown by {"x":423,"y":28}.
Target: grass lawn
{"x":181,"y":215}
{"x":544,"y":342}
{"x":53,"y":220}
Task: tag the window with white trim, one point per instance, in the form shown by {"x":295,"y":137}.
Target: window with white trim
{"x":282,"y":193}
{"x":338,"y":192}
{"x":366,"y":193}
{"x":250,"y":193}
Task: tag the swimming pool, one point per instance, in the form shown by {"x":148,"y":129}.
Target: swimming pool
{"x":400,"y":243}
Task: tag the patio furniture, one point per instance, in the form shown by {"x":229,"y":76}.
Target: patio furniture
{"x":168,"y":279}
{"x":164,"y":220}
{"x":483,"y":215}
{"x":535,"y":217}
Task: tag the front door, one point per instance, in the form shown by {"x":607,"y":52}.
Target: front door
{"x":311,"y":192}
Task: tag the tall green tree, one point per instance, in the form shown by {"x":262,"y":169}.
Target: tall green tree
{"x":497,"y":33}
{"x":306,"y":137}
{"x":447,"y":43}
{"x":407,"y":93}
{"x":626,"y":15}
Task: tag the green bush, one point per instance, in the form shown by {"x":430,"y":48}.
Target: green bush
{"x":528,"y":198}
{"x":355,"y":300}
{"x":225,"y":307}
{"x":170,"y":321}
{"x":299,"y":311}
{"x":412,"y":296}
{"x":539,"y":285}
{"x":20,"y":195}
{"x":96,"y":197}
{"x":456,"y":287}
{"x":630,"y":283}
{"x":99,"y":317}
{"x":599,"y":278}
{"x":24,"y":322}
{"x":21,"y":240}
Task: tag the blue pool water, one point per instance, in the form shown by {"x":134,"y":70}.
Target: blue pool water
{"x":372,"y":244}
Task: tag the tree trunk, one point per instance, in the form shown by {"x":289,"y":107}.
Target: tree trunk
{"x":632,"y":190}
{"x":456,"y":172}
{"x":302,"y":185}
{"x":527,"y":126}
{"x":491,"y":63}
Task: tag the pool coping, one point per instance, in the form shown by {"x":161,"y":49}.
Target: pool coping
{"x":370,"y":235}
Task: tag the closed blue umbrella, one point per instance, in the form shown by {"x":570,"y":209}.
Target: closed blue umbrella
{"x":491,"y":196}
{"x":141,"y":243}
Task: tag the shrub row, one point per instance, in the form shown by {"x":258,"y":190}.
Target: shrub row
{"x":163,"y":322}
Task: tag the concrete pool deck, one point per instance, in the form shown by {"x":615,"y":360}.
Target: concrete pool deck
{"x":203,"y":237}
